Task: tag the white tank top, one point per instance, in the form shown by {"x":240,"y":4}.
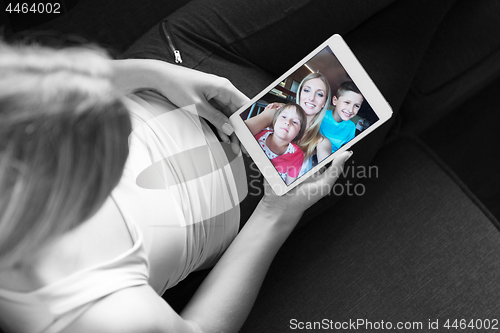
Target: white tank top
{"x":181,"y":186}
{"x":179,"y":196}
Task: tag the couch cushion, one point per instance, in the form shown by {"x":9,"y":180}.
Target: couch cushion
{"x":416,"y":246}
{"x":463,"y":58}
{"x":466,"y":140}
{"x":266,"y":38}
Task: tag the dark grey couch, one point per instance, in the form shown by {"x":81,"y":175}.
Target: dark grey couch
{"x":422,"y":243}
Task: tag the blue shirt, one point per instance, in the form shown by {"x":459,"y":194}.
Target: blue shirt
{"x":337,"y":133}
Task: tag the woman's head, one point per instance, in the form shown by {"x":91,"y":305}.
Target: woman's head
{"x":63,"y":143}
{"x":314,"y":94}
{"x":290,"y":122}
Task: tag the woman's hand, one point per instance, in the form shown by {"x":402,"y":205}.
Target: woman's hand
{"x":215,"y":97}
{"x":295,"y":202}
{"x":275,"y":106}
{"x":263,"y":119}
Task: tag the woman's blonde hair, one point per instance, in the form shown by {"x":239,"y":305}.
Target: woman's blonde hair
{"x":63,"y":143}
{"x":312,"y":136}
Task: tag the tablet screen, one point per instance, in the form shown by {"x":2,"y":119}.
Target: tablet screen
{"x":313,"y":112}
{"x":318,"y":101}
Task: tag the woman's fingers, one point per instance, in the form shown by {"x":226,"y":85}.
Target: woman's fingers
{"x":309,"y":192}
{"x":230,"y":140}
{"x":216,"y":117}
{"x":224,"y":101}
{"x":235,"y":144}
{"x":228,"y":97}
{"x":221,"y":102}
{"x":321,"y":184}
{"x":223,"y":136}
{"x":244,"y":150}
{"x":274,"y":106}
{"x":333,"y":172}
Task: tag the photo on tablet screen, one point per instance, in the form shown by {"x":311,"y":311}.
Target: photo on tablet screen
{"x":317,"y":102}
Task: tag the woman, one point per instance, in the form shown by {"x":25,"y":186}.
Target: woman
{"x":313,"y":96}
{"x":102,"y":202}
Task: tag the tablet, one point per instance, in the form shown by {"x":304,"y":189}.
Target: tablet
{"x":316,"y":110}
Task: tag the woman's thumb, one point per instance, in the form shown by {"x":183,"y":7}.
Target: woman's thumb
{"x":335,"y":170}
{"x":217,"y":118}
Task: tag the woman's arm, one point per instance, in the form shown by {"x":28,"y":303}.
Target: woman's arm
{"x":215,"y":97}
{"x":224,"y":300}
{"x":263,"y":119}
{"x":324,"y":149}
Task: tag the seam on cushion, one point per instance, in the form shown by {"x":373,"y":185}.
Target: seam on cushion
{"x":295,"y":10}
{"x":453,"y":177}
{"x":268,"y":24}
{"x":209,"y":56}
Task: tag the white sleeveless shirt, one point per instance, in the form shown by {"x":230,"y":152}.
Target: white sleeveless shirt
{"x":181,"y":186}
{"x":179,"y":195}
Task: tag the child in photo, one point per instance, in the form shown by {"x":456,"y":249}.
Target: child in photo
{"x":336,"y":125}
{"x":289,"y":124}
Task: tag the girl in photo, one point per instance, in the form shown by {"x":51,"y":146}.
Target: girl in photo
{"x":289,"y":124}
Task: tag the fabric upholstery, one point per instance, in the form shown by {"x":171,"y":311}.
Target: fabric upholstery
{"x":462,"y":59}
{"x":415,"y":247}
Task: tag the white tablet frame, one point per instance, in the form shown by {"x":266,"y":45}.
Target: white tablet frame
{"x":358,"y":75}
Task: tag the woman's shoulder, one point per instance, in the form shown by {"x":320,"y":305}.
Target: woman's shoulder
{"x":324,"y":144}
{"x":138,"y":309}
{"x":322,"y":141}
{"x":103,"y":237}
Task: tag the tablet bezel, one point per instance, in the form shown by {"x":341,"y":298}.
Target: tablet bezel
{"x":358,"y":75}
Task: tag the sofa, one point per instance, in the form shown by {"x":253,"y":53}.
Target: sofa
{"x":419,"y":248}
